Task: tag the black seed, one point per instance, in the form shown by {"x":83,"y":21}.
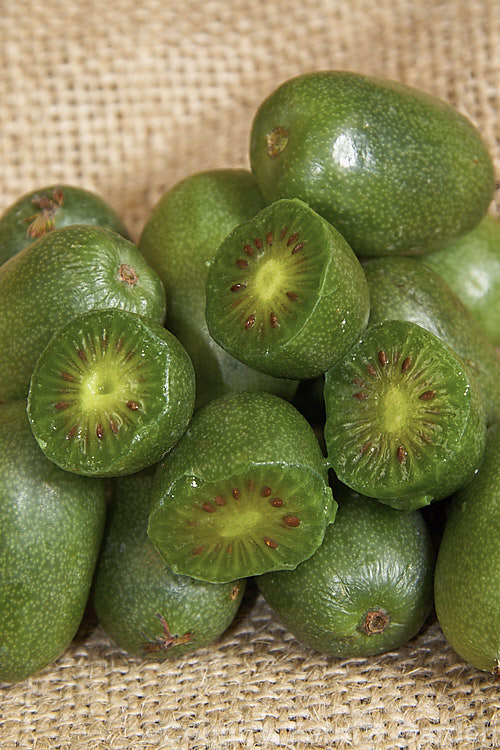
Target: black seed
{"x":273,"y":319}
{"x":249,"y":322}
{"x":292,"y":296}
{"x":236,"y":493}
{"x":265,"y":491}
{"x":132,"y":405}
{"x":99,"y":432}
{"x":242,"y":263}
{"x":292,"y":521}
{"x":298,"y":247}
{"x":237,"y":287}
{"x":219,"y":500}
{"x":292,"y":239}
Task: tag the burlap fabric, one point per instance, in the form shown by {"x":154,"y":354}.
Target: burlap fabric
{"x":126,"y":98}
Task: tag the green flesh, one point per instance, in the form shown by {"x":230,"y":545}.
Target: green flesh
{"x":405,"y":422}
{"x":285,"y":293}
{"x":270,"y":517}
{"x":237,"y":442}
{"x":110,"y":394}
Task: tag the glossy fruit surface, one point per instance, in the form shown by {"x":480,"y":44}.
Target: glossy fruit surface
{"x":368,"y":587}
{"x":50,"y":531}
{"x":467,"y":579}
{"x":394,"y":169}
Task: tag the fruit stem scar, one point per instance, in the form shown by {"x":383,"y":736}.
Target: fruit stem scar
{"x":127,"y":274}
{"x":375,"y":621}
{"x":276,"y":141}
{"x":166,"y":640}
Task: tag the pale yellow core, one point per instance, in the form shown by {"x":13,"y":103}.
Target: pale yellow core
{"x":394,"y":409}
{"x":98,"y":388}
{"x":268,"y":279}
{"x":240,"y":523}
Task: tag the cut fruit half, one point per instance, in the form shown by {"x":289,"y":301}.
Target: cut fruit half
{"x":110,"y":394}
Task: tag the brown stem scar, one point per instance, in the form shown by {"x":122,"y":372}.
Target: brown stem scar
{"x":127,"y":274}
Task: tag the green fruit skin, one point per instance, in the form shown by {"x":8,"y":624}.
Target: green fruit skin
{"x":372,"y":559}
{"x":61,"y":275}
{"x":35,"y":214}
{"x":230,"y":435}
{"x":446,"y":465}
{"x":471,"y":267}
{"x":179,"y":239}
{"x":405,"y":289}
{"x":174,"y":390}
{"x":394,"y":169}
{"x":337,"y":319}
{"x":133,"y":588}
{"x":51,"y":525}
{"x":467,"y":577}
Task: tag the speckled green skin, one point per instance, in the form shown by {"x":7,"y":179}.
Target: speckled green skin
{"x":61,"y":275}
{"x":406,"y":289}
{"x":392,"y":168}
{"x":374,"y":410}
{"x":471,"y":267}
{"x":41,"y":211}
{"x":164,"y":401}
{"x":51,"y":524}
{"x":180,"y":237}
{"x":133,"y":589}
{"x":467,"y":578}
{"x":231,"y":437}
{"x":334,"y":300}
{"x":373,"y":559}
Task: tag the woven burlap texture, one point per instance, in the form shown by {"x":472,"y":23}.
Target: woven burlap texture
{"x":126,"y":99}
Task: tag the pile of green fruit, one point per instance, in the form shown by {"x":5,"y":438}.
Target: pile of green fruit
{"x":283,"y":380}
